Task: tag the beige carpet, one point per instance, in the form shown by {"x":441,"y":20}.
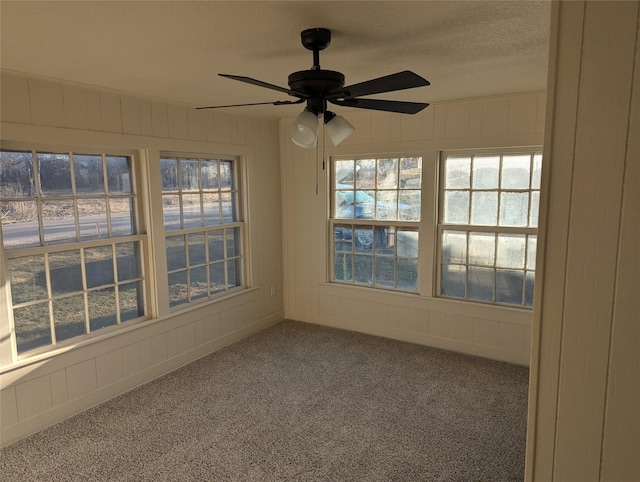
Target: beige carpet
{"x":297,"y":402}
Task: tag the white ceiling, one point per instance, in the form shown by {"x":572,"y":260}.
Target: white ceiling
{"x":173,"y":50}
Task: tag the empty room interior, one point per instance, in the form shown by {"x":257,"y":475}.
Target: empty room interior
{"x":283,"y":240}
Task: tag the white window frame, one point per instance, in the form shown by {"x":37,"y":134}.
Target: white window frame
{"x":239,"y":226}
{"x":528,"y":231}
{"x":395,"y":224}
{"x":140,"y":236}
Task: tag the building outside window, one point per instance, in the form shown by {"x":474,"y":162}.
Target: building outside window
{"x":203,"y":227}
{"x":375,"y":214}
{"x":487,"y":229}
{"x":73,"y":245}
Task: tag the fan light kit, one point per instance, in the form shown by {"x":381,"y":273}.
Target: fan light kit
{"x":317,"y":86}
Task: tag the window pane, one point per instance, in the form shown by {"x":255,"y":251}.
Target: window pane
{"x":16,"y":175}
{"x":233,"y":242}
{"x":177,"y":288}
{"x":387,"y":205}
{"x":92,"y":216}
{"x":532,"y":242}
{"x":385,"y":241}
{"x":229,"y":203}
{"x":212,"y":209}
{"x":216,"y":245}
{"x":344,"y":172}
{"x":533,"y":215}
{"x":65,"y":272}
{"x":366,"y":174}
{"x":128,"y":261}
{"x":88,"y":174}
{"x":98,"y":264}
{"x":169,"y":173}
{"x":456,"y":207}
{"x":537,"y":171}
{"x":131,"y":301}
{"x":102,"y":312}
{"x":363,"y":238}
{"x":363,"y":267}
{"x":486,"y":172}
{"x":68,"y":317}
{"x":342,"y":237}
{"x":528,"y":288}
{"x":227,"y":180}
{"x":514,"y":208}
{"x":171,"y":212}
{"x":481,"y":283}
{"x":407,"y":243}
{"x":457,"y":172}
{"x":190,"y":175}
{"x":197,"y":253}
{"x":32,"y":326}
{"x":210,"y":177}
{"x":55,"y":174}
{"x":234,"y":273}
{"x":484,"y":208}
{"x":191,"y":211}
{"x":28,"y":281}
{"x":509,"y":284}
{"x":217,"y":277}
{"x":59,"y":222}
{"x":411,"y":173}
{"x":453,"y":280}
{"x":199,"y":284}
{"x":20,"y":224}
{"x":119,"y":177}
{"x":510,"y":253}
{"x":176,"y":258}
{"x":409,"y":205}
{"x":516,"y":171}
{"x":408,"y":274}
{"x":385,"y":271}
{"x":342,"y":266}
{"x":454,"y":247}
{"x":122,"y":216}
{"x":482,"y":248}
{"x":387,"y":175}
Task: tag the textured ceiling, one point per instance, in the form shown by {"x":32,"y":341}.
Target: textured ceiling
{"x":172,"y":50}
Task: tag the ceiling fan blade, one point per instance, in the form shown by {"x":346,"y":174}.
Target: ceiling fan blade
{"x":259,"y":83}
{"x":398,"y":81}
{"x":378,"y":104}
{"x":277,"y":102}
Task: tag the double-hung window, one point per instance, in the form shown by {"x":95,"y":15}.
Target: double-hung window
{"x":487,"y":227}
{"x":73,"y":244}
{"x":203,"y":227}
{"x":375,"y":213}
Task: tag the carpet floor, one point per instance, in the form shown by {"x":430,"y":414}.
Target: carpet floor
{"x":297,"y":402}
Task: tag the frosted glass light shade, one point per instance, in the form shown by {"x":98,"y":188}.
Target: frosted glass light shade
{"x":338,"y":129}
{"x":304,"y":130}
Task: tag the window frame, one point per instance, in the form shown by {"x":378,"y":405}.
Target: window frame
{"x":238,"y":201}
{"x":496,"y":229}
{"x":396,"y":224}
{"x":140,"y":236}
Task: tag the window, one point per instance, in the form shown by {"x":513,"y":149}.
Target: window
{"x":71,"y":237}
{"x":203,"y":227}
{"x":488,"y":224}
{"x":375,"y":215}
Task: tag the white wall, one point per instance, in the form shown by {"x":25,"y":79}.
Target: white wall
{"x":493,"y":332}
{"x":584,"y":421}
{"x":45,"y":389}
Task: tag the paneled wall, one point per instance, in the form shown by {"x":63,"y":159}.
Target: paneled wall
{"x":494,"y":332}
{"x":40,"y":391}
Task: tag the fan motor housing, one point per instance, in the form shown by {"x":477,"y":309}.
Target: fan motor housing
{"x":316,"y":82}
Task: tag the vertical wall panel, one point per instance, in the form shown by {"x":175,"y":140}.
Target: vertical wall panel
{"x":439,"y":121}
{"x":81,"y":379}
{"x":381,"y":127}
{"x":109,"y":368}
{"x":411,"y":127}
{"x":495,"y":117}
{"x":178,"y":122}
{"x":47,"y":107}
{"x":111,"y":112}
{"x":457,"y":120}
{"x":146,"y":120}
{"x":59,"y":392}
{"x":8,"y":407}
{"x":159,"y":119}
{"x":427,"y":123}
{"x":75,"y":107}
{"x":197,"y":122}
{"x":94,"y":110}
{"x":14,"y":97}
{"x":33,"y":397}
{"x":131,"y":359}
{"x":523,"y":114}
{"x":130,"y":115}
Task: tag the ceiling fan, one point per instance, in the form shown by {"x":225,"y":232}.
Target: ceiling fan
{"x":318,"y":86}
